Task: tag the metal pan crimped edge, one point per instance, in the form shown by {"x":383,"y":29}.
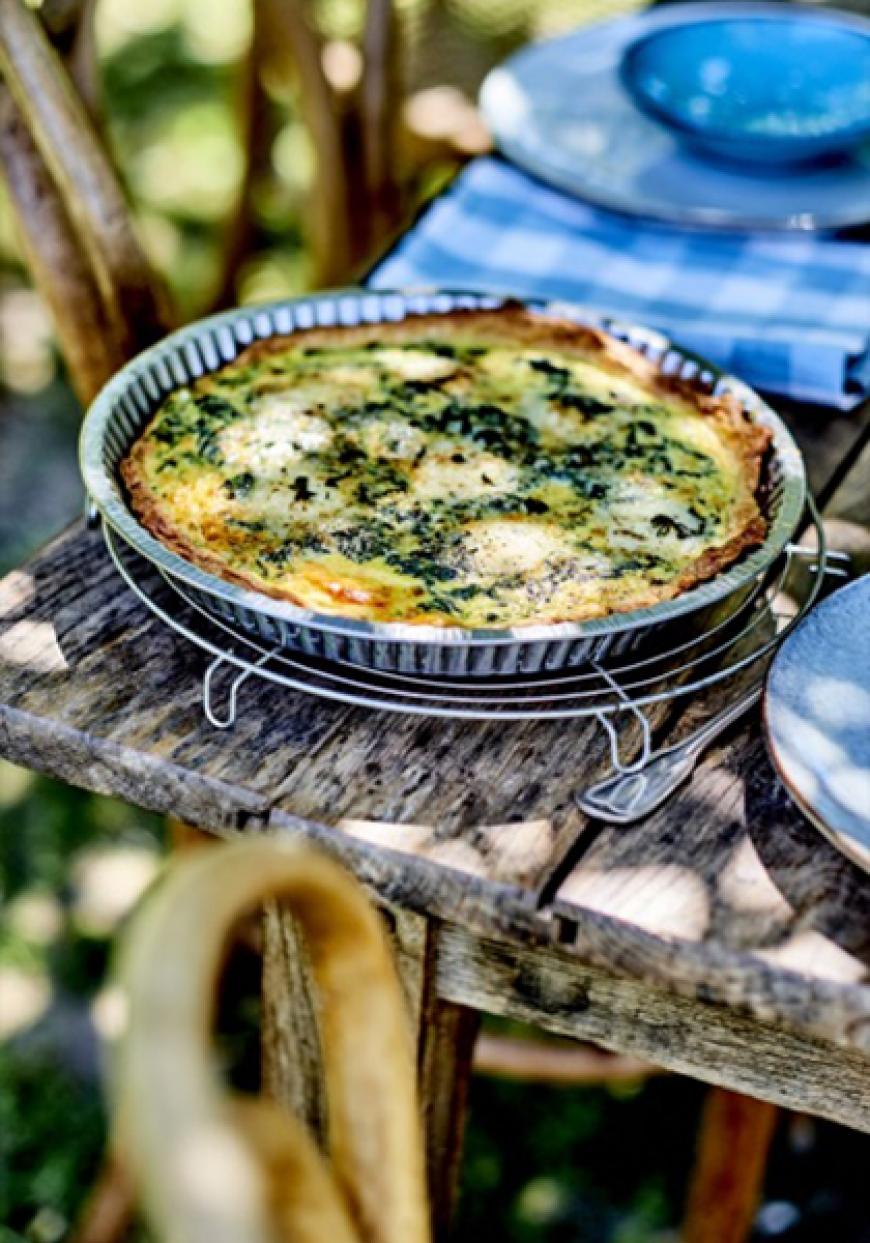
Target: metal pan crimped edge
{"x":126,"y":403}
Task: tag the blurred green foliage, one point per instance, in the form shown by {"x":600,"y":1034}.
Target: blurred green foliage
{"x":553,"y":1164}
{"x":51,"y":1139}
{"x":53,"y":964}
{"x":52,"y":1144}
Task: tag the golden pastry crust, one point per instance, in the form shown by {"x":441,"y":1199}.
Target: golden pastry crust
{"x":528,"y":450}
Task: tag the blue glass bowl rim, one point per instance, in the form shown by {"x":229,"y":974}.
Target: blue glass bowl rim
{"x":791,"y":14}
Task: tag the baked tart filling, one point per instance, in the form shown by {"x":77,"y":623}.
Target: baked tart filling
{"x":478,"y":469}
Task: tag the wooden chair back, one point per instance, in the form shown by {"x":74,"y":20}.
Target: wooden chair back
{"x":75,"y":226}
{"x":74,"y":221}
{"x":357,"y":195}
{"x":214,"y":1167}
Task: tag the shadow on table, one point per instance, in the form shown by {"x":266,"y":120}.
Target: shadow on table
{"x":828,"y":893}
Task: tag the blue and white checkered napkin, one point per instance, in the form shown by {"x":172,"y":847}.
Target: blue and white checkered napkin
{"x":789,"y":314}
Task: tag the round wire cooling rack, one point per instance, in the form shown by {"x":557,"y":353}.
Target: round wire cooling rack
{"x":612,"y":691}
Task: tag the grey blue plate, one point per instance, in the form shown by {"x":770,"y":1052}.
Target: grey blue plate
{"x":817,"y":717}
{"x":558,"y":108}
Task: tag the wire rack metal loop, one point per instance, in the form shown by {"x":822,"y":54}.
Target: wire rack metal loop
{"x":612,"y":735}
{"x":228,"y":719}
{"x":610,"y":691}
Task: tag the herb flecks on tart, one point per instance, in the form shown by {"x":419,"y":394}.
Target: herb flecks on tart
{"x":478,"y":469}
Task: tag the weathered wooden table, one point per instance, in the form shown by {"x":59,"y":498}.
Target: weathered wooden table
{"x":723,"y":937}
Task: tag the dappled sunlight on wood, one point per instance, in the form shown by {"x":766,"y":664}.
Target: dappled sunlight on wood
{"x":745,"y":884}
{"x":813,"y":954}
{"x":666,"y":899}
{"x":19,"y":590}
{"x":520,"y":846}
{"x":819,"y":885}
{"x":415,"y":839}
{"x":32,"y":645}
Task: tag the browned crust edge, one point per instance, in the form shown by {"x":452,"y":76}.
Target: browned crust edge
{"x":747,"y":439}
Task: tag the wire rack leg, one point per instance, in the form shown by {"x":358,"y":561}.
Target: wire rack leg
{"x":228,"y":719}
{"x":628,"y":705}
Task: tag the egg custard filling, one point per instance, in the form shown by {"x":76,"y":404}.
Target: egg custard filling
{"x":479,"y":469}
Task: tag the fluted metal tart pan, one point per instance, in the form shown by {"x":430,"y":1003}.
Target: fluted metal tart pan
{"x":122,"y":409}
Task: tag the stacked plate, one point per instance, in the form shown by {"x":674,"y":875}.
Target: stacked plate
{"x":817,"y":718}
{"x":566,"y":109}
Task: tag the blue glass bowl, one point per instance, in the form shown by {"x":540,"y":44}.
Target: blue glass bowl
{"x":762,"y":87}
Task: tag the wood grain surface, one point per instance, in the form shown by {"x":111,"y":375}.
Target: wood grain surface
{"x":716,"y":1044}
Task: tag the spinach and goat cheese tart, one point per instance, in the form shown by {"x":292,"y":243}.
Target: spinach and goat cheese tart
{"x":478,"y":469}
